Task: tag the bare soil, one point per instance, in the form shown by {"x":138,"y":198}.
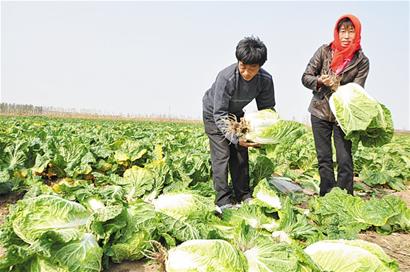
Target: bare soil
{"x":396,"y":245}
{"x":405,"y":195}
{"x":5,"y":202}
{"x":139,"y":266}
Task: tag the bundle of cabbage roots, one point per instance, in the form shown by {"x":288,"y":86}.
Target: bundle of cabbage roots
{"x":264,"y":127}
{"x":360,"y":116}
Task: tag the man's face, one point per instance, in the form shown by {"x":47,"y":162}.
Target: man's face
{"x":347,"y":35}
{"x":248,"y":71}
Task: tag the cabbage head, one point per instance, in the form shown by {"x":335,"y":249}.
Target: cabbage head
{"x":350,"y":255}
{"x":182,"y":204}
{"x":266,"y":127}
{"x":205,"y":255}
{"x":360,"y":116}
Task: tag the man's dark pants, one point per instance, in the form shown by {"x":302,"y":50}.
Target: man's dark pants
{"x":224,"y":156}
{"x":322,"y":133}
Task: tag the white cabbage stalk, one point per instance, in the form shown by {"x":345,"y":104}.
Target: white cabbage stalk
{"x":270,"y":227}
{"x":265,"y":196}
{"x":95,"y":204}
{"x":271,"y":199}
{"x":306,"y":212}
{"x":282,"y":236}
{"x":261,"y":119}
{"x":252,"y":255}
{"x":258,"y":122}
{"x":253,"y":222}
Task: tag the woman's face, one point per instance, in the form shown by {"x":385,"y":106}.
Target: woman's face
{"x":347,"y":35}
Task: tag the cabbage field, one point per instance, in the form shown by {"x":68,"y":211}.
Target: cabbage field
{"x":87,"y":195}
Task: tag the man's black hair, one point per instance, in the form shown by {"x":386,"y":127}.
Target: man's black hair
{"x":251,"y":50}
{"x":345,"y":21}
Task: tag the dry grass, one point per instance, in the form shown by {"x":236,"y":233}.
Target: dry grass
{"x":164,"y":119}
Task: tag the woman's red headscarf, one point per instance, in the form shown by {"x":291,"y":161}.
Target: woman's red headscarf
{"x":341,"y":54}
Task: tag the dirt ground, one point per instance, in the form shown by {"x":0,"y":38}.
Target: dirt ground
{"x":139,"y":266}
{"x":5,"y":201}
{"x":405,"y":195}
{"x":396,"y":245}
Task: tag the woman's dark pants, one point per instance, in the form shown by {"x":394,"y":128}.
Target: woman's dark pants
{"x":322,"y":133}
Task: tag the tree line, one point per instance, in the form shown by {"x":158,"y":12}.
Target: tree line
{"x":18,"y":109}
{"x":31,"y":110}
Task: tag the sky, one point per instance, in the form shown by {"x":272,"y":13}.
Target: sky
{"x":159,"y":58}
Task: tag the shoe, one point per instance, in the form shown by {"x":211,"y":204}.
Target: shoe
{"x":246,"y":201}
{"x":220,"y":209}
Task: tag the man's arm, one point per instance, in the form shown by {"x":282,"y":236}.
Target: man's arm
{"x":266,"y":98}
{"x":221,"y":107}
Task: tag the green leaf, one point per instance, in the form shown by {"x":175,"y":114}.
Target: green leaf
{"x":51,"y":215}
{"x":354,"y":256}
{"x":360,"y":116}
{"x":80,"y":256}
{"x":205,"y":255}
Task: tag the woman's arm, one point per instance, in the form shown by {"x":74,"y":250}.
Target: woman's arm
{"x":310,"y":78}
{"x":364,"y":67}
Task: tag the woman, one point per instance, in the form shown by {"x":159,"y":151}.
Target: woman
{"x":338,"y":63}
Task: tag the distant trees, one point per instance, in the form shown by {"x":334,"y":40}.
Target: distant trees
{"x":18,"y":109}
{"x":30,"y":110}
{"x":23,"y":109}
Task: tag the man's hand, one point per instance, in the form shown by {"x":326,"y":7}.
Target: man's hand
{"x":245,"y":143}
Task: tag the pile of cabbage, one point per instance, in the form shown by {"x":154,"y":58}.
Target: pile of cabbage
{"x":263,"y":255}
{"x":252,"y":241}
{"x":270,"y":233}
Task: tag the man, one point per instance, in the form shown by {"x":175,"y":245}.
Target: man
{"x":234,"y":88}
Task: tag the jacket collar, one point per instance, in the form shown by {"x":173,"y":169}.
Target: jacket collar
{"x":357,"y":57}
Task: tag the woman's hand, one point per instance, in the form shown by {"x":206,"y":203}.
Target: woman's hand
{"x":330,"y":81}
{"x":326,"y":80}
{"x":245,"y":143}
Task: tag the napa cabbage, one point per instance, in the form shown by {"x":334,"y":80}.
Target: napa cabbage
{"x":205,"y":255}
{"x":266,"y":127}
{"x":350,"y":255}
{"x":360,"y":116}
